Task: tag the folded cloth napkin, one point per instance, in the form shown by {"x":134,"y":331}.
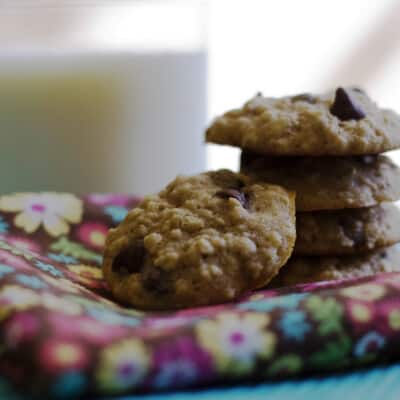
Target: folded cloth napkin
{"x":62,"y":335}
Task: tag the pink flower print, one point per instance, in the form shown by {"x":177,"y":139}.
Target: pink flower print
{"x":391,"y":280}
{"x":93,"y":234}
{"x":14,"y":261}
{"x":106,"y":199}
{"x":315,"y":286}
{"x":181,"y":363}
{"x":21,"y":328}
{"x":388,"y":317}
{"x":22,"y":243}
{"x":161,"y":326}
{"x":69,"y":327}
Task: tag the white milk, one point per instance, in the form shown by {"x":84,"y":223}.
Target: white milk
{"x":126,"y":121}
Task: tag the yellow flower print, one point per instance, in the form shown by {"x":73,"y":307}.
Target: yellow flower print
{"x":394,"y":319}
{"x":55,"y":211}
{"x":366,"y":292}
{"x":236,"y":341}
{"x":256,"y":297}
{"x":86,"y":275}
{"x":18,"y":298}
{"x":4,"y":312}
{"x":87,"y":271}
{"x":360,"y":312}
{"x":122,"y":365}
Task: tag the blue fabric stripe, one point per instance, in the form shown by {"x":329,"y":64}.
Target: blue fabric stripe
{"x":378,"y":383}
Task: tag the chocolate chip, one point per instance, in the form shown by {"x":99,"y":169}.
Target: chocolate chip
{"x":130,"y":260}
{"x":135,"y":259}
{"x":344,"y":107}
{"x":306,"y":97}
{"x":236,"y":194}
{"x":155,"y":279}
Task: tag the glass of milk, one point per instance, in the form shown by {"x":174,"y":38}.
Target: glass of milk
{"x":100,"y":96}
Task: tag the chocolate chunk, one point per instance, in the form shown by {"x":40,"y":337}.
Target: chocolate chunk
{"x":345,"y":108}
{"x":130,"y":260}
{"x":155,"y":279}
{"x":353,"y":231}
{"x":236,"y":194}
{"x":306,"y":97}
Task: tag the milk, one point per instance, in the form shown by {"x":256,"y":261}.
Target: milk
{"x":95,"y":122}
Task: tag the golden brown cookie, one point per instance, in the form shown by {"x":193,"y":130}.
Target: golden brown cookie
{"x":329,"y":183}
{"x":347,"y":231}
{"x":341,"y":122}
{"x":205,"y":239}
{"x":312,"y":269}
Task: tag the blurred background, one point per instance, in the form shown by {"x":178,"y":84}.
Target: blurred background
{"x":114,"y":95}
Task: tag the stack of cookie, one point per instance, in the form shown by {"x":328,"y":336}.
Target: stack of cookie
{"x":326,"y":148}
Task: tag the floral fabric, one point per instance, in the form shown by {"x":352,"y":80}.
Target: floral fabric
{"x":62,"y":335}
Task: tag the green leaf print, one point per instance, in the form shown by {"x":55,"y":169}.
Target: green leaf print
{"x":334,"y":354}
{"x":289,"y":364}
{"x":327,"y":312}
{"x":69,"y":248}
{"x":16,"y":251}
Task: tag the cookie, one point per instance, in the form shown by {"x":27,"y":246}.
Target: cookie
{"x":329,"y":183}
{"x":203,"y":240}
{"x":312,"y":269}
{"x":341,"y":122}
{"x":347,"y":231}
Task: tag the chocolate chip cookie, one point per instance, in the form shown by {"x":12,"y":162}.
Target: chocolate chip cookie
{"x":329,"y":183}
{"x":311,"y":269}
{"x":341,"y":122}
{"x":347,"y":231}
{"x":205,"y":239}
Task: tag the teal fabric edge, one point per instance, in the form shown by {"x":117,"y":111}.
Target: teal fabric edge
{"x":378,"y":383}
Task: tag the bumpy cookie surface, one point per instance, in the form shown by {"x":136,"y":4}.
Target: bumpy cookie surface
{"x":329,"y":183}
{"x":347,"y":231}
{"x":204,"y":239}
{"x":341,"y":122}
{"x":312,"y":269}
